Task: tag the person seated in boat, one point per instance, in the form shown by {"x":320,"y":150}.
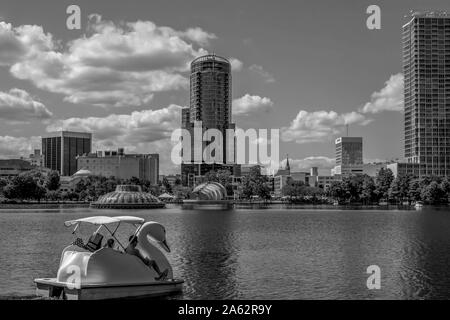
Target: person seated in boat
{"x":131,"y":249}
{"x":109,"y":244}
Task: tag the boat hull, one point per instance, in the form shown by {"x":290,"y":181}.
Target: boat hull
{"x":51,"y":288}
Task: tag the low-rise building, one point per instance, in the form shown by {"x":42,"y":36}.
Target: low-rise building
{"x":345,"y":171}
{"x":14,"y":167}
{"x":300,"y":176}
{"x":121,"y":165}
{"x":36,"y":159}
{"x":322,"y":182}
{"x":69,"y":183}
{"x":278,"y":183}
{"x":281,"y":180}
{"x":172,"y":179}
{"x":372,"y":169}
{"x":404,"y":168}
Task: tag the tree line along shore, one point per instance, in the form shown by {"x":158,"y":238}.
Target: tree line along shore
{"x":36,"y":187}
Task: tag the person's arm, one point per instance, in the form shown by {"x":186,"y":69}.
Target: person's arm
{"x":135,"y":252}
{"x":140,"y":256}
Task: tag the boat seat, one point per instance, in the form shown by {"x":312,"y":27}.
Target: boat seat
{"x":94,"y":242}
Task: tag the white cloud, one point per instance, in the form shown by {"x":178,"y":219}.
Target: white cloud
{"x":236,"y":64}
{"x":10,"y":46}
{"x":389,"y":98}
{"x":125,"y":129}
{"x":18,"y":105}
{"x":16,"y":147}
{"x":263,"y":73}
{"x":319,"y":126}
{"x":198,"y":35}
{"x":251,"y":104}
{"x":118,"y":65}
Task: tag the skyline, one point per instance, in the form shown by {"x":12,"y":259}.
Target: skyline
{"x":127,"y":82}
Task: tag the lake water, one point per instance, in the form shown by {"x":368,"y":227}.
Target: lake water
{"x":266,"y":253}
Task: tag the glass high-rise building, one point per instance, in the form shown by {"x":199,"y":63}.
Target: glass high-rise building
{"x":426,"y":68}
{"x":210,"y":92}
{"x":60,"y":150}
{"x":210,"y":103}
{"x":349,"y":156}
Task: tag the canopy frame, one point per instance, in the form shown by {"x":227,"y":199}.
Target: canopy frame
{"x":134,"y":221}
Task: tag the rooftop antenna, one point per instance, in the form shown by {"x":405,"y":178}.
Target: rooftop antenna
{"x":347,"y":128}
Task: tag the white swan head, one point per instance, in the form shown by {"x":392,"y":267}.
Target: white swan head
{"x":157,"y":232}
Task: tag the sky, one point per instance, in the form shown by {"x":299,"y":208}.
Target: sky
{"x":307,"y":68}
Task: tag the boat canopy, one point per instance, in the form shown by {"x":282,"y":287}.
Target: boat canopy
{"x":104,"y":220}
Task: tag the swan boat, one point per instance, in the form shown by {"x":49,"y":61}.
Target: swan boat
{"x":89,"y":272}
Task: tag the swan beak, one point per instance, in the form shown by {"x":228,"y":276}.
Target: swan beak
{"x":165,"y":245}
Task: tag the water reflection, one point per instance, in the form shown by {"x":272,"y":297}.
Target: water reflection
{"x":208,"y":251}
{"x":371,"y":239}
{"x":425,"y":275}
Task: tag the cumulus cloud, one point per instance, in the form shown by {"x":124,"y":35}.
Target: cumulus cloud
{"x":18,"y":105}
{"x":125,"y":129}
{"x":389,"y":98}
{"x":263,"y":73}
{"x":236,"y":64}
{"x":10,"y":46}
{"x":22,"y":42}
{"x":251,"y":104}
{"x":117,"y":65}
{"x":198,"y":35}
{"x":16,"y":147}
{"x":319,"y":126}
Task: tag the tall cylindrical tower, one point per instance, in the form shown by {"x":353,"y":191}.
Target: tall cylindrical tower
{"x":210,"y":103}
{"x":210,"y":92}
